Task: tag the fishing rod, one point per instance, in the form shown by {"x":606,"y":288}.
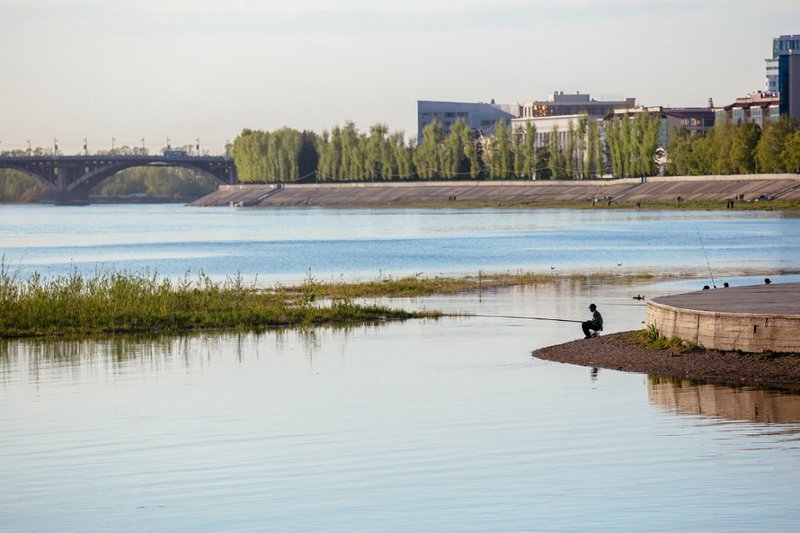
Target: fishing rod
{"x":708,"y":264}
{"x":525,"y":318}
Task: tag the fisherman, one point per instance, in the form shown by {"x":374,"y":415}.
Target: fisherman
{"x":591,"y":327}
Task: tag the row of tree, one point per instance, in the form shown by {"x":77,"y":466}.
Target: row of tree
{"x":737,"y":149}
{"x":347,"y":154}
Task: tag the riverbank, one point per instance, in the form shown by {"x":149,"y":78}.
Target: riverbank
{"x":627,"y":351}
{"x":765,"y":191}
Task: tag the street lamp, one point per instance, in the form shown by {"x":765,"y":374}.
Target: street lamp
{"x":144,"y":150}
{"x":113,"y":140}
{"x":55,"y":146}
{"x":29,"y":148}
{"x":85,"y":146}
{"x":198,"y":145}
{"x":168,"y":146}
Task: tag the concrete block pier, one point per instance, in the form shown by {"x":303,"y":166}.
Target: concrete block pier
{"x":755,"y":318}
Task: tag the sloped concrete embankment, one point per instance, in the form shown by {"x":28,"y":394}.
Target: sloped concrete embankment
{"x":654,"y":189}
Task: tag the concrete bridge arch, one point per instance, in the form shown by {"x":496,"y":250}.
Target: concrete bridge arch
{"x":72,"y":177}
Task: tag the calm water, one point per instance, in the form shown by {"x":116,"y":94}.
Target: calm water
{"x":445,"y":425}
{"x":285,"y":244}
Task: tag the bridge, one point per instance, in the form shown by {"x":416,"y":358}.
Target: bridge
{"x":72,"y":177}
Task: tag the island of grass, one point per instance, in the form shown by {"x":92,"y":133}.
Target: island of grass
{"x":114,"y":302}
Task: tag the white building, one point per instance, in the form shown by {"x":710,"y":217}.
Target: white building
{"x":478,"y":115}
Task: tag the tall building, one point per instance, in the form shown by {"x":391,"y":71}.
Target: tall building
{"x":782,"y":44}
{"x":478,"y":115}
{"x":789,"y":83}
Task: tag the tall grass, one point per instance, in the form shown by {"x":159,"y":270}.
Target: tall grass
{"x":411,"y":286}
{"x":117,"y":302}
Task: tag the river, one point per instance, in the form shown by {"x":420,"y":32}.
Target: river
{"x":427,"y":425}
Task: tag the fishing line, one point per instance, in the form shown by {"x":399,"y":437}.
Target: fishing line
{"x":713,"y":283}
{"x":523,"y":318}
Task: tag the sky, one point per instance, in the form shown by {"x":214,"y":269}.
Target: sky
{"x":183,"y":70}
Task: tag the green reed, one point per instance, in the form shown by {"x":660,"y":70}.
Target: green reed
{"x":123,"y":302}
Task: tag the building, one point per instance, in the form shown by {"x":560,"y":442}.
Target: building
{"x":478,"y":116}
{"x":789,"y":83}
{"x":758,"y":107}
{"x":782,"y":44}
{"x":559,"y":104}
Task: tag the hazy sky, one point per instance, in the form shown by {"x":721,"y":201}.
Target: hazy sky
{"x":208,"y":68}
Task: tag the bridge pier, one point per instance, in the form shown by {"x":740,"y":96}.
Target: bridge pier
{"x":71,"y":198}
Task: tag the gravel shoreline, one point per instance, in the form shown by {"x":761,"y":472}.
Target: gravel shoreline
{"x":621,"y":351}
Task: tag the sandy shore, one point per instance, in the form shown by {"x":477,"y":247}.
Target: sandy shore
{"x":620,"y":351}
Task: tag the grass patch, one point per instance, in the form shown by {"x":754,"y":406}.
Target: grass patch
{"x":418,"y":285}
{"x":651,"y":339}
{"x":114,"y":302}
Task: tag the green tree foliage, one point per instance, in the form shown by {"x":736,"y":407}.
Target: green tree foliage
{"x":595,"y":153}
{"x":555,"y":160}
{"x":735,"y":149}
{"x":427,"y":158}
{"x":499,"y":155}
{"x":18,"y":187}
{"x":771,"y":149}
{"x":632,"y":143}
{"x":528,"y":155}
{"x":158,"y":182}
{"x":262,"y":156}
{"x":743,"y":148}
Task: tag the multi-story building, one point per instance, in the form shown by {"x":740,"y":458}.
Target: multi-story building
{"x":479,"y":116}
{"x":758,"y":107}
{"x":789,"y":83}
{"x":559,"y":104}
{"x":782,"y":44}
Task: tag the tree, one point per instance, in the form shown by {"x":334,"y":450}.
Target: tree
{"x":555,"y":162}
{"x":426,"y":157}
{"x":772,"y":145}
{"x":743,"y":148}
{"x":500,"y":155}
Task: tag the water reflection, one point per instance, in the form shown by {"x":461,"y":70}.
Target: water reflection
{"x":53,"y":359}
{"x":755,"y":405}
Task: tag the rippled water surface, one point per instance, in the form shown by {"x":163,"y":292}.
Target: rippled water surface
{"x":434,"y":425}
{"x":363,"y":243}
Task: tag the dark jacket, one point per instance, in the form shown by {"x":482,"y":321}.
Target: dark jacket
{"x":597,"y":321}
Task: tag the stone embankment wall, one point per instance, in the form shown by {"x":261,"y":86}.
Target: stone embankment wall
{"x":751,"y":318}
{"x":727,"y":331}
{"x":654,"y":189}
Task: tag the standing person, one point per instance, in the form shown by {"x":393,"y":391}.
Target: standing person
{"x":593,"y":325}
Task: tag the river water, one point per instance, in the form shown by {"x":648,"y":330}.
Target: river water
{"x":426,"y":425}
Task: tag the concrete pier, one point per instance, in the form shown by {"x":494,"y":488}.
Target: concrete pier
{"x":755,"y":318}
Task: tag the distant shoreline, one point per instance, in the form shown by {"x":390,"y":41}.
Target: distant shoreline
{"x":622,"y":351}
{"x":762,"y":192}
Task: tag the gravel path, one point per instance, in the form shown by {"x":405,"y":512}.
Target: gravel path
{"x":621,"y":351}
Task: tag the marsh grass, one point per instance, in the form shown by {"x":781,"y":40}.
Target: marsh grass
{"x":418,"y":285}
{"x":122,"y":302}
